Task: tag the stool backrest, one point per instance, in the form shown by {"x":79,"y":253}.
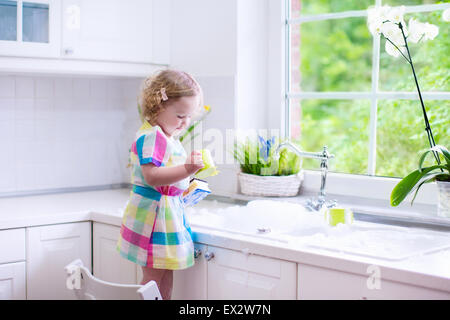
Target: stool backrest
{"x":87,"y":287}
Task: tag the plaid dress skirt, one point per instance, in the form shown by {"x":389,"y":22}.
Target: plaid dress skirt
{"x":154,"y":231}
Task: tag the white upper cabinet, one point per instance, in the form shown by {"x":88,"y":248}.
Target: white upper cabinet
{"x":103,"y":37}
{"x":115,"y":30}
{"x":30,"y":28}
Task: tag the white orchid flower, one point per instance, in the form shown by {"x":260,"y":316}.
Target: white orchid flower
{"x":377,"y":13}
{"x":387,"y":20}
{"x":391,"y":50}
{"x":372,"y":14}
{"x":431,"y":31}
{"x":384,"y":12}
{"x":396,"y":15}
{"x":375,"y":26}
{"x":419,"y":30}
{"x":446,"y":15}
{"x":374,"y":20}
{"x":391,"y":31}
{"x":415,"y":30}
{"x":399,"y":42}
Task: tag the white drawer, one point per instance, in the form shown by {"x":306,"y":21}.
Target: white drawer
{"x":319,"y":283}
{"x":12,"y":245}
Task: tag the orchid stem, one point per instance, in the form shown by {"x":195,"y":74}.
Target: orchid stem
{"x":398,"y":50}
{"x":427,"y":123}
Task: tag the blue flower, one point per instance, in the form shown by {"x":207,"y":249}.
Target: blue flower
{"x":264,"y":151}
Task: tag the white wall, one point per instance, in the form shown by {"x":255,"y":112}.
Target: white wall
{"x":63,"y":132}
{"x":252,"y":49}
{"x":203,"y":37}
{"x":224,"y":44}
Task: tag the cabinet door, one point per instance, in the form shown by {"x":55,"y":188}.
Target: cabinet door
{"x":12,"y":245}
{"x":12,"y":281}
{"x":108,"y":264}
{"x":190,"y":284}
{"x":30,"y":28}
{"x":112,"y":30}
{"x":49,"y":250}
{"x":236,"y":275}
{"x":319,"y":283}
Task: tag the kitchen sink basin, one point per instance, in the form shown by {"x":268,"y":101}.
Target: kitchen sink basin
{"x":293,"y":224}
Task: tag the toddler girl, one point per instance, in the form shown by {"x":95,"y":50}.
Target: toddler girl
{"x":154,"y":231}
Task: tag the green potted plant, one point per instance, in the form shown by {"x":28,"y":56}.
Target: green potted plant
{"x":261,"y":174}
{"x":413,"y":181}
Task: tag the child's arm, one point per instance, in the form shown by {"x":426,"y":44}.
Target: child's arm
{"x":161,"y":176}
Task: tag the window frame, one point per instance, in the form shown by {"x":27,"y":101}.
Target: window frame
{"x":368,"y":186}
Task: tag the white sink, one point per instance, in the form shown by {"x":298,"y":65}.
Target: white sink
{"x":389,"y":243}
{"x":292,"y":223}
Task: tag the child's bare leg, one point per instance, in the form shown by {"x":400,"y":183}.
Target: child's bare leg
{"x":162,"y":277}
{"x":167,"y":283}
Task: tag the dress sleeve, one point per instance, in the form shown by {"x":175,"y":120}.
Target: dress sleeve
{"x":152,"y":148}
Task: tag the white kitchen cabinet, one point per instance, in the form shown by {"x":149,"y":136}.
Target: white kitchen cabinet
{"x":328,"y":284}
{"x":108,"y":264}
{"x":12,"y":264}
{"x":238,"y":275}
{"x":49,"y":250}
{"x":84,"y":37}
{"x":116,"y":30}
{"x":12,"y":245}
{"x":191,"y":283}
{"x":12,"y":281}
{"x":30,"y":28}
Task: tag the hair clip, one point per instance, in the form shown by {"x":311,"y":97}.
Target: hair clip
{"x":163,"y":94}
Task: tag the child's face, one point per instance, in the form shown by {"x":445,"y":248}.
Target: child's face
{"x":177,"y":114}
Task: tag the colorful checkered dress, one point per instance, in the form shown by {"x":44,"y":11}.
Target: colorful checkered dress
{"x":154,"y":230}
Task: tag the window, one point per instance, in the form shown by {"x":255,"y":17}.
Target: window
{"x":344,"y":91}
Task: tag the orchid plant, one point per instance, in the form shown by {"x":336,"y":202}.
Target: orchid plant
{"x":389,"y":23}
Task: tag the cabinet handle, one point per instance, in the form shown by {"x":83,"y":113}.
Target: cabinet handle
{"x":68,"y":51}
{"x":197,"y":253}
{"x":209,"y":255}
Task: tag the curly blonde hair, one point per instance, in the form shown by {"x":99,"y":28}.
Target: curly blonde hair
{"x":163,"y":87}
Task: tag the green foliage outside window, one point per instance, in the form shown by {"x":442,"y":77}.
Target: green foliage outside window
{"x":336,"y":55}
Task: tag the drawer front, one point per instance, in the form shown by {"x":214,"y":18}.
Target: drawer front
{"x":327,"y":284}
{"x":12,"y":245}
{"x":237,"y":275}
{"x":12,"y":281}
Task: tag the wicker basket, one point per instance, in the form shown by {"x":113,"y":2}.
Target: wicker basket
{"x":278,"y":186}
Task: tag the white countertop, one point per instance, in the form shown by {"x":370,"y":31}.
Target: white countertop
{"x":430,"y":270}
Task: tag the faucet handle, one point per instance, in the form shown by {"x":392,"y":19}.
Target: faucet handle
{"x":326,"y":154}
{"x":331,"y":203}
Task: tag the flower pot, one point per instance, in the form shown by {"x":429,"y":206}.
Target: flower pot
{"x":444,"y":199}
{"x":275,"y":186}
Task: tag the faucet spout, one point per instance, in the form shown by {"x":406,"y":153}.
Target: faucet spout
{"x":323,"y":156}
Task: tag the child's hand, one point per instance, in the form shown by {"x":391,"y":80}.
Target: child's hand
{"x":194,"y":162}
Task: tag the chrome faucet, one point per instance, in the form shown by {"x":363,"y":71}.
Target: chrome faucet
{"x":324,"y":156}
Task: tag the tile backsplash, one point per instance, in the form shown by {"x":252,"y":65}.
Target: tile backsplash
{"x":64,"y":132}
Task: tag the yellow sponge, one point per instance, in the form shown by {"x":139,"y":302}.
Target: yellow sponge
{"x":209,"y":169}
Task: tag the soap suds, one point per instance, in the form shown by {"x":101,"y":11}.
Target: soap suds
{"x":286,"y":219}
